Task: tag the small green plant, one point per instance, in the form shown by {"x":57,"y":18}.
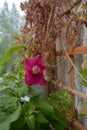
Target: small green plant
{"x":35,"y":113}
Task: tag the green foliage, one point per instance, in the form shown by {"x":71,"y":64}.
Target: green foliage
{"x":10,"y":111}
{"x":35,"y":114}
{"x":84,"y":75}
{"x":9,"y":52}
{"x":40,"y":118}
{"x":38,"y":113}
{"x":61,"y":100}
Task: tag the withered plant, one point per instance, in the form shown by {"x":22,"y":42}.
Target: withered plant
{"x":45,"y":22}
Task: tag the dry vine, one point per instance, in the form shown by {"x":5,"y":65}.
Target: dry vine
{"x":45,"y":19}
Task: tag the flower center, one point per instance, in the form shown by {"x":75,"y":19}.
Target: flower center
{"x":35,"y":69}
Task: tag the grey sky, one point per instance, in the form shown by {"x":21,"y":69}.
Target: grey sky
{"x":17,"y":3}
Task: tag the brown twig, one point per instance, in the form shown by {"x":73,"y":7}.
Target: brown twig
{"x":48,"y":24}
{"x":75,"y":92}
{"x":78,"y":125}
{"x":51,"y":66}
{"x":74,"y":65}
{"x":68,"y":10}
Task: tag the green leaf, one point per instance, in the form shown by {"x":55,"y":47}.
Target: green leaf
{"x":8,"y":53}
{"x":19,"y":123}
{"x":18,"y":91}
{"x":8,"y":104}
{"x":84,"y":75}
{"x":10,"y":111}
{"x":42,"y":105}
{"x":5,"y":125}
{"x":56,"y":125}
{"x":30,"y":120}
{"x":40,"y":117}
{"x":2,"y":88}
{"x":8,"y":79}
{"x":24,"y":127}
{"x":61,"y":100}
{"x":61,"y":118}
{"x":28,"y":108}
{"x":48,"y":110}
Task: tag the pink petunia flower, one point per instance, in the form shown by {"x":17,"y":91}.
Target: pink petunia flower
{"x":34,"y":70}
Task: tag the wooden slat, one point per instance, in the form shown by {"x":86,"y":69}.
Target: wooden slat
{"x":72,"y":6}
{"x":71,"y":83}
{"x":75,"y":51}
{"x":78,"y":125}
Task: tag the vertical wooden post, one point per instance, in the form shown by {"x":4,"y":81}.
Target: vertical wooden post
{"x":71,"y":82}
{"x":48,"y":88}
{"x":55,"y":73}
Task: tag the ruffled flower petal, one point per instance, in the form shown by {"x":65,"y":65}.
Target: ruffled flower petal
{"x":34,"y":78}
